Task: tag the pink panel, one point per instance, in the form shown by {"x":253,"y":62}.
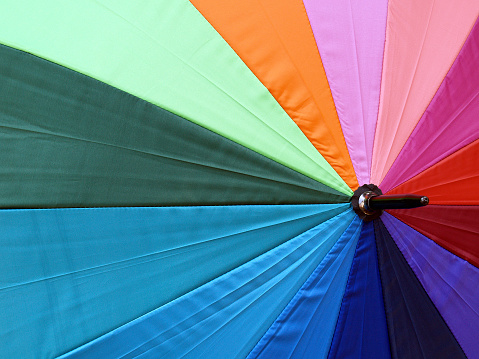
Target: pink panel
{"x":449,"y":123}
{"x":422,"y":40}
{"x":352,"y":54}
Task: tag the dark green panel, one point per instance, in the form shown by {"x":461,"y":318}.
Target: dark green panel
{"x":69,"y":140}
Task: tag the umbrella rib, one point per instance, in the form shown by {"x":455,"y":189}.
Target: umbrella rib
{"x":398,"y":122}
{"x":406,"y":304}
{"x":155,"y":154}
{"x":223,"y":91}
{"x":433,"y":268}
{"x":244,"y":285}
{"x":368,"y":165}
{"x":148,"y":255}
{"x":326,"y":123}
{"x":434,"y":137}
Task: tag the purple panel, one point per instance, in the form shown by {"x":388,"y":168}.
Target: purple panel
{"x":352,"y":57}
{"x":449,"y":123}
{"x":450,"y":281}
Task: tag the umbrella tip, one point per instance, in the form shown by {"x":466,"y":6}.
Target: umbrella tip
{"x":424,"y":201}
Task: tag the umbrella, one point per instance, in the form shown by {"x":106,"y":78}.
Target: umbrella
{"x":177,"y":179}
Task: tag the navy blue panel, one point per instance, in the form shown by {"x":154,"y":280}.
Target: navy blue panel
{"x":361,"y":330}
{"x":416,"y":329}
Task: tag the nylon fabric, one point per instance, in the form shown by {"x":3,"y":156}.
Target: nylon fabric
{"x":350,"y":38}
{"x":166,"y":53}
{"x":220,"y":319}
{"x":450,"y":282}
{"x":361,"y":330}
{"x":68,"y":276}
{"x":305,"y":327}
{"x":450,"y":121}
{"x":415,"y":327}
{"x":455,"y":228}
{"x":280,"y":50}
{"x":423,"y":39}
{"x":71,"y":141}
{"x":452,"y":181}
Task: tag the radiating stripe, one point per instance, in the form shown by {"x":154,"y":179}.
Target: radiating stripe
{"x":275,"y":40}
{"x":69,"y":140}
{"x":68,"y":276}
{"x":361,"y":330}
{"x":452,"y":181}
{"x":227,"y":316}
{"x":165,"y":52}
{"x":423,"y":39}
{"x":305,"y":327}
{"x":455,"y":228}
{"x":415,"y":327}
{"x":450,"y":121}
{"x":450,"y":281}
{"x":350,"y":38}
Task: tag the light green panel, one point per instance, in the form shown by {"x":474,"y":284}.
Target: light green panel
{"x":166,"y":53}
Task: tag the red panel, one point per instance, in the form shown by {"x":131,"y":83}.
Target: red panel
{"x":455,"y":228}
{"x":452,"y":181}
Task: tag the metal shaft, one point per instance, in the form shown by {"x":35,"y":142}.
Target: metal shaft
{"x":396,"y":201}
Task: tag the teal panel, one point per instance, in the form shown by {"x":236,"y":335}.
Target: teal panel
{"x":68,"y":276}
{"x":227,"y":316}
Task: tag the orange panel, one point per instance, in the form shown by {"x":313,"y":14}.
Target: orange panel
{"x":453,"y":181}
{"x":275,"y":40}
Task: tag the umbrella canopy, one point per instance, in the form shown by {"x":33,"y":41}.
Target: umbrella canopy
{"x":176,"y":179}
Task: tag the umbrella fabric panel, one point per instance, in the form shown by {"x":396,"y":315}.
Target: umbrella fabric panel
{"x":350,"y":38}
{"x":450,"y":282}
{"x":70,"y":140}
{"x":415,"y":327}
{"x":71,"y":275}
{"x":455,"y":228}
{"x":423,"y":39}
{"x":452,"y":181}
{"x":450,"y":121}
{"x":225,"y":317}
{"x":361,"y":330}
{"x":166,"y":53}
{"x":305,"y":327}
{"x":280,"y":50}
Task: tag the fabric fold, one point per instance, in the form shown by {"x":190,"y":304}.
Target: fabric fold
{"x":305,"y":327}
{"x":68,"y":276}
{"x":71,"y":141}
{"x":350,"y":38}
{"x":441,"y":130}
{"x":455,"y":228}
{"x":415,"y":327}
{"x":361,"y":330}
{"x":423,"y":38}
{"x":450,"y":282}
{"x":452,"y":181}
{"x":280,"y":50}
{"x":220,"y":318}
{"x":166,"y":53}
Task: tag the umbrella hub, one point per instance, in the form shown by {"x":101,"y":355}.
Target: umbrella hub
{"x":369,"y":202}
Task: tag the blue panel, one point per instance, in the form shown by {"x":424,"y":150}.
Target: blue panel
{"x":68,"y":276}
{"x":227,"y":316}
{"x":305,"y":327}
{"x":361,"y":330}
